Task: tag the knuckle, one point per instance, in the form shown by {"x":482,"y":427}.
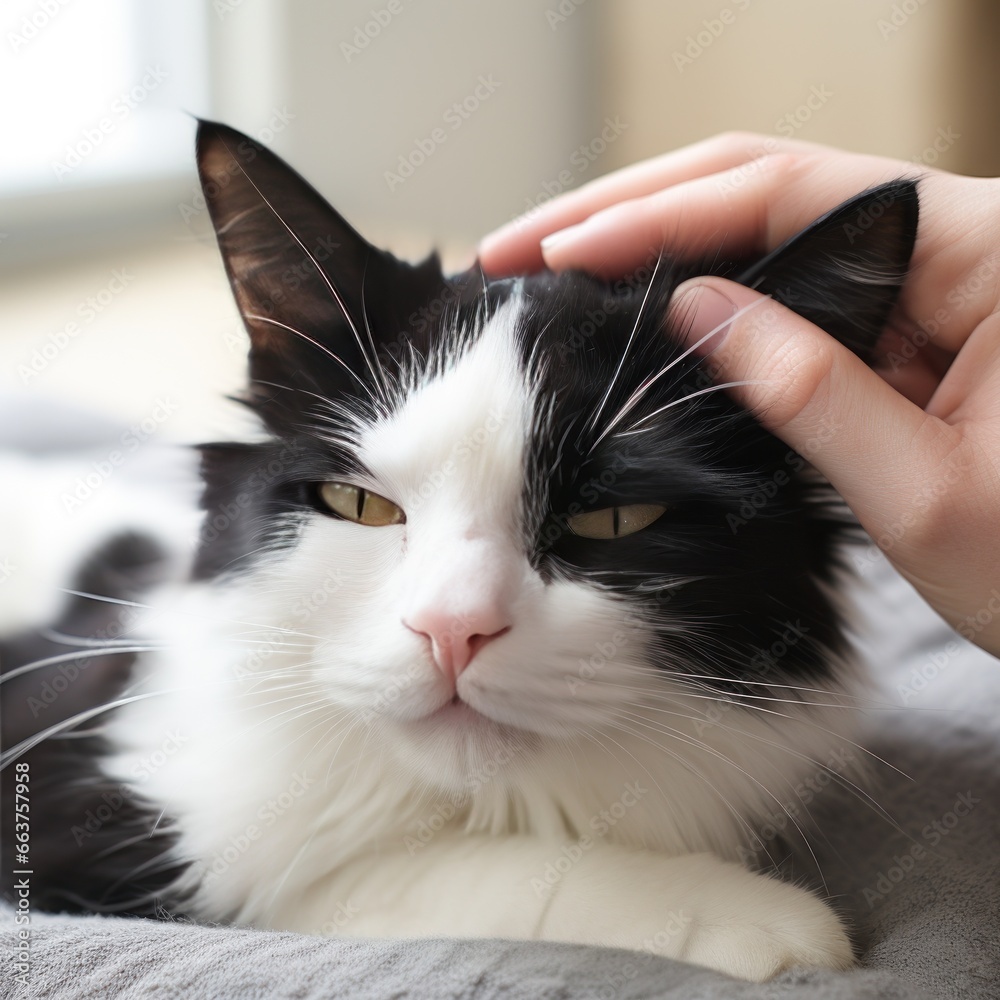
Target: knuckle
{"x":782,"y":167}
{"x":794,"y":374}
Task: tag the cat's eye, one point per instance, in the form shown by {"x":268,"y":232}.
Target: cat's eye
{"x":614,"y":522}
{"x":359,"y":505}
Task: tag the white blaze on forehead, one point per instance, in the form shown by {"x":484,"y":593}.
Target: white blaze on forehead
{"x":456,"y":446}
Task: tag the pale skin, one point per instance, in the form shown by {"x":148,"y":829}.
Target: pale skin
{"x":914,"y":445}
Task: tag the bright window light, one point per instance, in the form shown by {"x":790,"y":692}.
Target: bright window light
{"x":95,"y":91}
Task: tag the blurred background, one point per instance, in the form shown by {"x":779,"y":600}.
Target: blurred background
{"x":111,"y":291}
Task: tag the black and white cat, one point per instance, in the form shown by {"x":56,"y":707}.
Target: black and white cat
{"x":510,"y":623}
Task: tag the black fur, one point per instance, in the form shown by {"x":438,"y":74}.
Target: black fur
{"x":748,"y":542}
{"x":741,"y":558}
{"x":95,"y":845}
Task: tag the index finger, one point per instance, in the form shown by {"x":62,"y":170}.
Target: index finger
{"x":515,"y":247}
{"x":751,"y":209}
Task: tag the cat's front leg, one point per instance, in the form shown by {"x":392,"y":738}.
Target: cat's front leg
{"x":695,"y":907}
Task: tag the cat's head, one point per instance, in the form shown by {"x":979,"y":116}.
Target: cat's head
{"x":516,"y":512}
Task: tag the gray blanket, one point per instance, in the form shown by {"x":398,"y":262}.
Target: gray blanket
{"x":915,"y":872}
{"x":923,"y":893}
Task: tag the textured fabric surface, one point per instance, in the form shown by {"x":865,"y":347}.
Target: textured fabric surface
{"x":914,"y":868}
{"x":918,"y":880}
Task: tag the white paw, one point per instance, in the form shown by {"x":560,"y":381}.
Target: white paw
{"x":758,"y":952}
{"x":764,"y":928}
{"x":699,"y":909}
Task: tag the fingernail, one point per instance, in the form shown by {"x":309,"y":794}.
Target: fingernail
{"x":705,"y":314}
{"x":560,"y":236}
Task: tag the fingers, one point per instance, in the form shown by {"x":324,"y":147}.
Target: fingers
{"x":912,"y":370}
{"x":748,"y":210}
{"x":730,"y":156}
{"x":515,"y":247}
{"x":752,"y":207}
{"x":874,"y":445}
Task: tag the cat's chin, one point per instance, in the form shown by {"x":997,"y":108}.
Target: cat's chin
{"x":458,"y":748}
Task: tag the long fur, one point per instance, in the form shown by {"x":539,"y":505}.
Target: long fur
{"x":658,"y":695}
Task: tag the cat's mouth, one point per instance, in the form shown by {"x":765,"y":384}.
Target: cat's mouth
{"x":457,"y":710}
{"x":457,"y":713}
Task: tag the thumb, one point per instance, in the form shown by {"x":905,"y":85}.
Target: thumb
{"x":873,"y":444}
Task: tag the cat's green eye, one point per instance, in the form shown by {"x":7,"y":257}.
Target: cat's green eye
{"x":615,"y":522}
{"x":359,"y":505}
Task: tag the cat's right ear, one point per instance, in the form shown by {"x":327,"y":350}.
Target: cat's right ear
{"x":844,"y":271}
{"x":323,"y":307}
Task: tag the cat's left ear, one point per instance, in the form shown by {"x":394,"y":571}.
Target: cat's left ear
{"x":320,"y":303}
{"x":844,"y":271}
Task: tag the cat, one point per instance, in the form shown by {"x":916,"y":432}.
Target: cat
{"x":510,"y":622}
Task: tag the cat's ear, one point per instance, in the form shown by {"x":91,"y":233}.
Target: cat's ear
{"x":319,"y":302}
{"x":844,"y":271}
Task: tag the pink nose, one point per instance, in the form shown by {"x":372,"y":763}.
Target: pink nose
{"x":456,"y":639}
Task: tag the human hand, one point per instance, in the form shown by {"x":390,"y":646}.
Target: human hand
{"x":913,"y":447}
